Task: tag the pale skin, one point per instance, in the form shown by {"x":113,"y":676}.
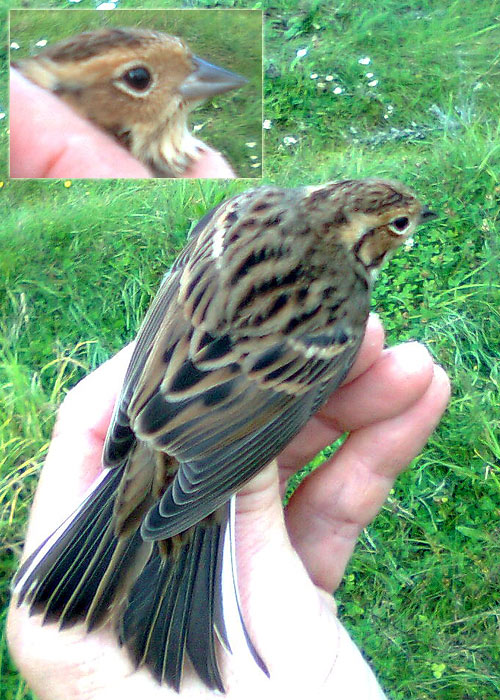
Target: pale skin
{"x":390,"y":403}
{"x":49,"y":140}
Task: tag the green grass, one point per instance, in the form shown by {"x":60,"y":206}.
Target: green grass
{"x":78,"y":266}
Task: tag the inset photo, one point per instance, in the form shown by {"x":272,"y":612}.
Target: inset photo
{"x":136,"y":93}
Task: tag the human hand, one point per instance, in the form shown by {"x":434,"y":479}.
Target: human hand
{"x":390,"y":403}
{"x":48,"y":139}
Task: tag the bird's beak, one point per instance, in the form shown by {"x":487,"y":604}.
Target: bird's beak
{"x":426,"y":214}
{"x":208,"y":80}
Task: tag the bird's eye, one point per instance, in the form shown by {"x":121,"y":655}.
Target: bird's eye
{"x":400,"y":224}
{"x":138,"y":78}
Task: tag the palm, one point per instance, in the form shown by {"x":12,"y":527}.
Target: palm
{"x":390,"y":403}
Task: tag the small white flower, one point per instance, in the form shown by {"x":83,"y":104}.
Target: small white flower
{"x":386,"y":116}
{"x":14,"y":45}
{"x":370,"y":75}
{"x":254,"y":157}
{"x":2,"y":115}
{"x":313,"y":76}
{"x":409,"y":243}
{"x":267,"y":124}
{"x":365,"y":60}
{"x":106,"y":6}
{"x":390,"y":108}
{"x":289,"y":140}
{"x":255,"y":165}
{"x":41,"y":43}
{"x":329,"y":78}
{"x":198,"y":127}
{"x":251,"y":144}
{"x":321,"y":85}
{"x":372,"y":83}
{"x":338,"y":90}
{"x":301,"y":53}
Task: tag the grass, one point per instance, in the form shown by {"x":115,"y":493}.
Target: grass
{"x":421,"y":593}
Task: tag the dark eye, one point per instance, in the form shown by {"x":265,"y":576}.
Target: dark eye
{"x":400,"y":223}
{"x":137,"y":78}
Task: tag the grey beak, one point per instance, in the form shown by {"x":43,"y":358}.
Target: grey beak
{"x":208,"y":80}
{"x":426,"y":214}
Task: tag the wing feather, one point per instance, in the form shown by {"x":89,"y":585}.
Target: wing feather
{"x":224,"y":399}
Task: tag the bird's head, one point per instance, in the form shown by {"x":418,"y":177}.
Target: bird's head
{"x":135,"y":83}
{"x":370,"y":218}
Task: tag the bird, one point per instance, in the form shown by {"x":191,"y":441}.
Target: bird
{"x":255,"y":325}
{"x":136,"y":84}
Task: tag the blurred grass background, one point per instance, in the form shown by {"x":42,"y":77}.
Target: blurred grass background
{"x":230,"y":39}
{"x":407,"y":90}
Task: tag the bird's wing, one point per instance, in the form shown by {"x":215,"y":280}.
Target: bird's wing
{"x":120,"y":437}
{"x":223,"y":425}
{"x":225,"y":401}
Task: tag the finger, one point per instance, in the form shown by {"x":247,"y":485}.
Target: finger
{"x":398,"y":377}
{"x":271,"y":578}
{"x":332,"y":506}
{"x":48,"y":139}
{"x":74,"y":457}
{"x":371,"y":347}
{"x":210,"y":164}
{"x":395,"y":381}
{"x":317,"y":434}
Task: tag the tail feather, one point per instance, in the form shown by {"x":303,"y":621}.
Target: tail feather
{"x":155,"y":655}
{"x":178,"y":624}
{"x":206,"y":610}
{"x":171,"y":609}
{"x":72,"y":595}
{"x":91,"y":560}
{"x":141,"y":614}
{"x":125,"y":564}
{"x":164,"y":597}
{"x":76,"y":573}
{"x":52,"y":562}
{"x":231,"y":546}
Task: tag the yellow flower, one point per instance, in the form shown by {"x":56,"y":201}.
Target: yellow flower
{"x":67,"y":183}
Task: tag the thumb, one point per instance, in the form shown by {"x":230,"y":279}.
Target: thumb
{"x":290,"y":621}
{"x":49,"y":139}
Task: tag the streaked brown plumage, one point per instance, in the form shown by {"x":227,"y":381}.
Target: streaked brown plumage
{"x":138,"y":85}
{"x":256,"y":324}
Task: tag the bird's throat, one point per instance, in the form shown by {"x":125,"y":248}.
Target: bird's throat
{"x":169,"y":149}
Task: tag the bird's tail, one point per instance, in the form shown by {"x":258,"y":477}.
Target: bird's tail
{"x":175,"y":606}
{"x":164,"y":597}
{"x":78,"y":572}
